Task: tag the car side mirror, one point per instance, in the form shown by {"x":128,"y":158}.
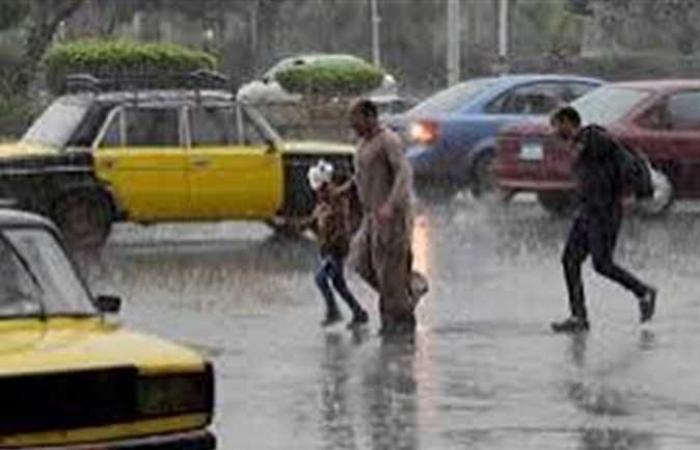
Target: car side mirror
{"x":108,"y":304}
{"x":266,"y":80}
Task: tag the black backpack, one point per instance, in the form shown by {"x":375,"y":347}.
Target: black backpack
{"x":637,"y":171}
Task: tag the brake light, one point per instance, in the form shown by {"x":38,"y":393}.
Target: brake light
{"x":425,"y":132}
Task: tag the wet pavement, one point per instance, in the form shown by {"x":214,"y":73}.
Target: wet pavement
{"x":483,"y":371}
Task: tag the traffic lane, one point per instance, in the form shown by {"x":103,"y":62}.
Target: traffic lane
{"x":483,"y":371}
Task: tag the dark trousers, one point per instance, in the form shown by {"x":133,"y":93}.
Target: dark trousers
{"x":332,"y":272}
{"x":595,"y":234}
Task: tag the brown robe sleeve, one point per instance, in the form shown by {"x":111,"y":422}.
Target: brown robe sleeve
{"x":400,"y":190}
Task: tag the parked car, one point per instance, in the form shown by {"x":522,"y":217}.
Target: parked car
{"x":149,"y":156}
{"x":71,"y":379}
{"x":451,"y":136}
{"x":266,"y":89}
{"x":658,"y":117}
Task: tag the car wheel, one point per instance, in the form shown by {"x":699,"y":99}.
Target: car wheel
{"x":556,"y":203}
{"x":85,"y":220}
{"x":661,"y":201}
{"x":484,"y":186}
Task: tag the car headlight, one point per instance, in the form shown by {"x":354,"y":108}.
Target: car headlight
{"x":425,"y":132}
{"x":175,"y":394}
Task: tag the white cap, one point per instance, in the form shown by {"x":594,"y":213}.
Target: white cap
{"x":319,"y":174}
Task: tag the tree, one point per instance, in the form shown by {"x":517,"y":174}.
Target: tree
{"x":38,"y":21}
{"x":674,"y":23}
{"x":46,"y":17}
{"x":13,"y":13}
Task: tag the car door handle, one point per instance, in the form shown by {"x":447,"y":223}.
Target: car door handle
{"x":200,"y":163}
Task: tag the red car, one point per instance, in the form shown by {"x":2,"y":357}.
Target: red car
{"x":659,"y":117}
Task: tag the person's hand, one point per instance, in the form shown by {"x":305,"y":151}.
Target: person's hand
{"x":384,"y":213}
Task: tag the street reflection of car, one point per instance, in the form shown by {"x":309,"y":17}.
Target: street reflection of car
{"x":659,"y":117}
{"x":70,"y":378}
{"x":451,"y":136}
{"x":149,"y":156}
{"x":266,"y":89}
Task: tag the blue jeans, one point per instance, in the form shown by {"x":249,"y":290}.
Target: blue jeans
{"x":331,"y":272}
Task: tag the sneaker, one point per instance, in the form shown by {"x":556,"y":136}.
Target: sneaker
{"x":359,"y":318}
{"x":647,"y":305}
{"x":331,"y":318}
{"x":571,"y":325}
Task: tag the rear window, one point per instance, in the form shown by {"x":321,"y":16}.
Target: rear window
{"x":608,"y":104}
{"x":452,"y":99}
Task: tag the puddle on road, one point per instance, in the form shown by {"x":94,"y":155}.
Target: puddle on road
{"x":483,"y":371}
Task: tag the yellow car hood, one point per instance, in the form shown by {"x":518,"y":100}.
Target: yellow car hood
{"x":318,"y":147}
{"x":57,"y":345}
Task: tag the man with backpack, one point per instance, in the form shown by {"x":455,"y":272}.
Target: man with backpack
{"x":603,"y":169}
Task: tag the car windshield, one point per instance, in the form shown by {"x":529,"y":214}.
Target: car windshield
{"x":453,"y":98}
{"x":36,"y":277}
{"x":608,"y":104}
{"x":57,"y":124}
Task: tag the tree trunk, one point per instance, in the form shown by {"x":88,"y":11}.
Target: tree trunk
{"x":46,"y":18}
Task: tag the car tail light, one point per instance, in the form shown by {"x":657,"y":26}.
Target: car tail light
{"x":425,"y":132}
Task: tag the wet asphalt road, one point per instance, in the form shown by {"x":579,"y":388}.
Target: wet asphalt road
{"x":483,"y":371}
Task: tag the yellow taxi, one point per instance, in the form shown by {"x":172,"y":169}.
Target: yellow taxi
{"x":70,"y":378}
{"x":121,"y":152}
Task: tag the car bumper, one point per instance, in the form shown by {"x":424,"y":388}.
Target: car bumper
{"x":193,"y":440}
{"x":524,"y":185}
{"x":430,"y":164}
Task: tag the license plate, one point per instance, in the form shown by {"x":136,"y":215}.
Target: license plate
{"x":531,"y":151}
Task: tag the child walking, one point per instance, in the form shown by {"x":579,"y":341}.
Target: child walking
{"x":331,"y":222}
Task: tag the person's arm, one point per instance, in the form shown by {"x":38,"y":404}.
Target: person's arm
{"x":401,"y":170}
{"x":297,"y":222}
{"x":601,"y":145}
{"x":345,"y":188}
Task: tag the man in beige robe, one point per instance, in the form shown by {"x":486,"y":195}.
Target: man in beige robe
{"x":381,"y":249}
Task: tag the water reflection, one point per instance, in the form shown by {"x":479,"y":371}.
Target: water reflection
{"x":389,"y":397}
{"x":616,"y":439}
{"x":592,"y":397}
{"x":338,"y":428}
{"x":369,"y":401}
{"x":597,"y":399}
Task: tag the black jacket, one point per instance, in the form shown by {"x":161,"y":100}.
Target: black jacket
{"x":599,"y":170}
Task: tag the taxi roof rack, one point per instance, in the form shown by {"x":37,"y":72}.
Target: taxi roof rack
{"x":195,"y":81}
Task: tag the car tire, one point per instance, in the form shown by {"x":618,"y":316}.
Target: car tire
{"x":84,"y":218}
{"x":559,"y":204}
{"x":484,"y":186}
{"x":663,"y":198}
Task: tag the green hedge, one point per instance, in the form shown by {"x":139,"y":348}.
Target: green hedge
{"x":331,"y":78}
{"x":111,"y":58}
